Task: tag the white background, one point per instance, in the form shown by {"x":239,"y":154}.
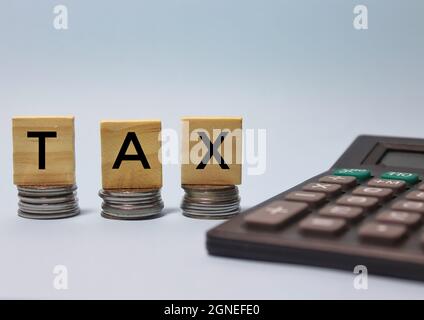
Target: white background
{"x":295,"y":68}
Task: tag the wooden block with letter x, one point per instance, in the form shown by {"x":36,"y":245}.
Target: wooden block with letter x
{"x":131,"y":154}
{"x":43,"y":151}
{"x":211,"y":150}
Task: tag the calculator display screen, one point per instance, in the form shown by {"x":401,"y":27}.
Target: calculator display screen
{"x":403,"y":159}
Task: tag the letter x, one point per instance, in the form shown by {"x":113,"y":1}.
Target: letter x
{"x":212,"y":150}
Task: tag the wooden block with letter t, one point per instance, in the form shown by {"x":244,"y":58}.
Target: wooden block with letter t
{"x":211,"y":151}
{"x":131,"y":154}
{"x":44,"y":151}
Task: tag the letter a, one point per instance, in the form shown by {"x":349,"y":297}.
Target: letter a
{"x":360,"y":22}
{"x":60,"y":21}
{"x":140,"y":156}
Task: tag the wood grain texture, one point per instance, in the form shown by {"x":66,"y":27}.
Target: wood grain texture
{"x":194,"y":150}
{"x":131,"y":174}
{"x":60,"y":151}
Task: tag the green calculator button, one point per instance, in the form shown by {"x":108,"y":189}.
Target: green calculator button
{"x":405,"y":176}
{"x":360,"y":174}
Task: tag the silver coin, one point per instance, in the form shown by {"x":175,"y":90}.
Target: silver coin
{"x":132,"y":199}
{"x":211,"y":212}
{"x":211,"y":194}
{"x":211,"y":209}
{"x":206,"y":201}
{"x":216,"y":216}
{"x":128,"y":207}
{"x":131,"y":204}
{"x":47,"y":212}
{"x":208,"y":188}
{"x":211,"y":198}
{"x":44,"y":212}
{"x":215,"y":190}
{"x":197,"y":215}
{"x":44,"y":200}
{"x":46,"y":195}
{"x":234,"y":207}
{"x":42,"y":189}
{"x":133,"y":214}
{"x":125,"y":193}
{"x":47,"y":202}
{"x":37,"y":191}
{"x":48,"y":216}
{"x":49,"y":206}
{"x":135,"y":203}
{"x":214,"y":193}
{"x":129,"y":217}
{"x":210,"y":202}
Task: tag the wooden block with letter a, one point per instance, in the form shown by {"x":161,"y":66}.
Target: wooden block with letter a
{"x":211,"y":150}
{"x":43,"y":151}
{"x":131,"y":154}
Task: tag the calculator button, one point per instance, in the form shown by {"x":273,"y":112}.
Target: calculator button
{"x":404,"y":176}
{"x":312,"y":198}
{"x":404,"y":205}
{"x":322,"y":225}
{"x":360,"y":201}
{"x":415,"y":195}
{"x":344,"y":212}
{"x":345,"y":182}
{"x":360,"y":174}
{"x":379,"y":232}
{"x":327,"y":188}
{"x":275,"y":214}
{"x":397,"y":185}
{"x":380,"y":193}
{"x":409,"y":219}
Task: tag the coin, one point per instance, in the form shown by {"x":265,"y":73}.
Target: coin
{"x":44,"y":200}
{"x":47,"y":202}
{"x":131,"y":204}
{"x":49,"y":216}
{"x":210,"y":202}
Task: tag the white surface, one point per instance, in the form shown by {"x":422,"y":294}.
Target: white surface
{"x":313,"y":83}
{"x":161,"y":259}
{"x":166,"y":257}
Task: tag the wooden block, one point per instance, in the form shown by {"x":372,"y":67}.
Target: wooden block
{"x":130,"y":154}
{"x":44,"y":151}
{"x":224,"y":166}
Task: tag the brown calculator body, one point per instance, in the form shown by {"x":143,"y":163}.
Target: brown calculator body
{"x":368,"y":209}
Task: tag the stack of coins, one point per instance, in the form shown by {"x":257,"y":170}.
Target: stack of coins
{"x":210,"y":202}
{"x":131,"y":204}
{"x":47,"y":202}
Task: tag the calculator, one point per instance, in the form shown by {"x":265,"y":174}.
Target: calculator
{"x":366,"y":210}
